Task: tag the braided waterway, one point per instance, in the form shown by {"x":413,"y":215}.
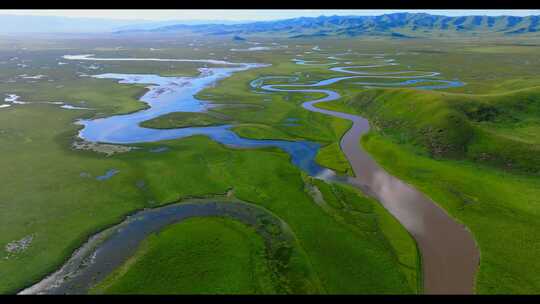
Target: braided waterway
{"x":449,"y":254}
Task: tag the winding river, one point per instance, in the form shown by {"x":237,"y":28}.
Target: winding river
{"x":450,"y":256}
{"x":449,"y":253}
{"x":109,"y":249}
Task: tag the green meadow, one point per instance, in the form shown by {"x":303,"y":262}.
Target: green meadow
{"x":49,"y":194}
{"x":199,"y":255}
{"x":47,"y":183}
{"x":473,"y":150}
{"x":181,"y":120}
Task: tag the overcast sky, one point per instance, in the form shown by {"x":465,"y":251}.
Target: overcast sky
{"x":239,"y":15}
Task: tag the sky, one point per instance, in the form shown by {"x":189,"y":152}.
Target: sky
{"x":246,"y":15}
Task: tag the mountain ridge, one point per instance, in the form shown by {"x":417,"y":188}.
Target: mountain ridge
{"x":403,"y":25}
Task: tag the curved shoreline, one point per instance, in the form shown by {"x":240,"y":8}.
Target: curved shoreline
{"x":103,"y":252}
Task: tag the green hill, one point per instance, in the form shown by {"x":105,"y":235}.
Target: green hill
{"x":497,"y":129}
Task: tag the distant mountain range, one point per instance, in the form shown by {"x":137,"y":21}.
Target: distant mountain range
{"x":399,"y":25}
{"x":402,"y":25}
{"x":149,"y":25}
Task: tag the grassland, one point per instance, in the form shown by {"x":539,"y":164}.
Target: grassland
{"x":330,"y":156}
{"x":269,"y":116}
{"x":468,"y":153}
{"x":473,"y":150}
{"x":352,"y":245}
{"x":181,"y":120}
{"x":481,"y":128}
{"x":366,"y":216}
{"x":50,"y":191}
{"x":500,"y":208}
{"x":196,"y":256}
{"x":59,"y":193}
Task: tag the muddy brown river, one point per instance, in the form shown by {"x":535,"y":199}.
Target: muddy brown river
{"x":449,"y":254}
{"x":450,"y":257}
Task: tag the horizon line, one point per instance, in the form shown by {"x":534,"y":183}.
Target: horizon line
{"x":76,"y":14}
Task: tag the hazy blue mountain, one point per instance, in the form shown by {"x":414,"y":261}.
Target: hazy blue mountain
{"x":149,"y":25}
{"x":401,"y":25}
{"x":54,"y":24}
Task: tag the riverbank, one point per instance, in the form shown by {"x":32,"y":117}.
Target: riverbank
{"x":499,"y":204}
{"x":110,"y":257}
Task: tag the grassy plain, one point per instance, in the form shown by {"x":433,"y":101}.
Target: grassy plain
{"x":45,"y":194}
{"x":50,"y":191}
{"x":196,"y":256}
{"x":181,"y":120}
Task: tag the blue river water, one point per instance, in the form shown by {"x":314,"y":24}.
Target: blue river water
{"x":110,"y":173}
{"x":177,"y":94}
